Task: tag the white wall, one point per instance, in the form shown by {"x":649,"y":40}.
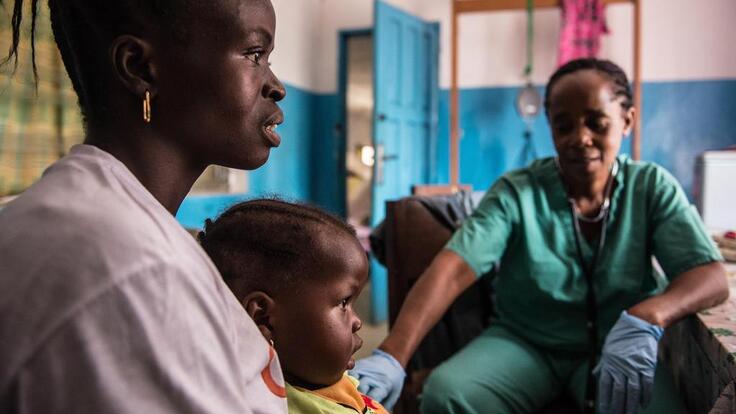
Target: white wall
{"x":682,"y":40}
{"x":691,"y":39}
{"x":335,"y":16}
{"x":307,"y":37}
{"x":297,"y":39}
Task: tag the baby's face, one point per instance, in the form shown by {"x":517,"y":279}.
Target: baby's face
{"x":315,"y":336}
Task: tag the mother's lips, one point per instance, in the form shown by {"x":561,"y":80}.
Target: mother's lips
{"x":270,"y":128}
{"x":276,"y":118}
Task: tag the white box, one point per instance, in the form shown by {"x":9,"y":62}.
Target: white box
{"x":715,"y":192}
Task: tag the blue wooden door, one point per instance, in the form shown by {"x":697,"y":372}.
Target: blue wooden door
{"x":405,"y":116}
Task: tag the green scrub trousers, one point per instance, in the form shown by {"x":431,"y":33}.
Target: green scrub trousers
{"x":499,"y":372}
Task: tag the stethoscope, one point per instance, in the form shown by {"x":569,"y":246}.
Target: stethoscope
{"x":589,"y":271}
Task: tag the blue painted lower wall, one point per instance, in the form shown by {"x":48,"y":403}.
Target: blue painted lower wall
{"x":327,"y":187}
{"x":681,"y":120}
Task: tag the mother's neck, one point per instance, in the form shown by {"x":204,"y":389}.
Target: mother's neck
{"x":163,"y":169}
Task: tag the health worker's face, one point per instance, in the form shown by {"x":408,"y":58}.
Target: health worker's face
{"x":588,"y":123}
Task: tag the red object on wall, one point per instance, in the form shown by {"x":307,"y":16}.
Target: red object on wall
{"x":583,"y":24}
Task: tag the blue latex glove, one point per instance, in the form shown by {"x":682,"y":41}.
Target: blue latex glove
{"x":381,"y":377}
{"x":626,"y":369}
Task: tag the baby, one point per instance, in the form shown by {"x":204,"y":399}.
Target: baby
{"x":297,"y":271}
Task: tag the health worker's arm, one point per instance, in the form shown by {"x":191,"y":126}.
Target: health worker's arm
{"x":694,"y":290}
{"x":437,"y":288}
{"x":686,"y":252}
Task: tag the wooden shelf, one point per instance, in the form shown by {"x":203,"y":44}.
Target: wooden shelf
{"x":469,"y":6}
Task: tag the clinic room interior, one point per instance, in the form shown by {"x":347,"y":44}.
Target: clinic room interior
{"x":399,"y":116}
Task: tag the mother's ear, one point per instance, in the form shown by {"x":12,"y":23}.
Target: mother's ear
{"x":133,"y":64}
{"x":260,"y":306}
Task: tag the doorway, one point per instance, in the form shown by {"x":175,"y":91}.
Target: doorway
{"x":388,"y":97}
{"x":358,"y":158}
{"x":359,"y":152}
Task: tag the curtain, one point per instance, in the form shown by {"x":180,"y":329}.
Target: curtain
{"x":40,"y":121}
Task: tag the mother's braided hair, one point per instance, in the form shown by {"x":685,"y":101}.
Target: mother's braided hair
{"x":83,"y":30}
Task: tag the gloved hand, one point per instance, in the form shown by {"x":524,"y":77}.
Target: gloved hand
{"x":626,"y":369}
{"x":381,"y":377}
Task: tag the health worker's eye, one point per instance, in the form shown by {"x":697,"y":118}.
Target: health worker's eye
{"x":563,"y":127}
{"x":598,"y":125}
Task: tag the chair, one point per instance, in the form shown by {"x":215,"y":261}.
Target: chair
{"x":412,"y":235}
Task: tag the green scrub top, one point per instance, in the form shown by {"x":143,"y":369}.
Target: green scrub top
{"x":523,"y":230}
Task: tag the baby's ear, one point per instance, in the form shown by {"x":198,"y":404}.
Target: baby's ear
{"x":260,"y":306}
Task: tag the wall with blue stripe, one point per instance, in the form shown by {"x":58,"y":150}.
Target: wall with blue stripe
{"x":689,"y":92}
{"x":681,"y":120}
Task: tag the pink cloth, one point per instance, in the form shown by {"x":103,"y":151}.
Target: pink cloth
{"x":583,"y":23}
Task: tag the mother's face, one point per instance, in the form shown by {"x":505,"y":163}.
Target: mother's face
{"x":216,"y":90}
{"x":587,"y":123}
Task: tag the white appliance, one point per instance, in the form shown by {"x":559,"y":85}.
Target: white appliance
{"x":715,"y":191}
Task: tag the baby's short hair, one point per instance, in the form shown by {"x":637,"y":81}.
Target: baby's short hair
{"x":267,"y":244}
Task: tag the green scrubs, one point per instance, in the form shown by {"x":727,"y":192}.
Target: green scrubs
{"x":523,"y":229}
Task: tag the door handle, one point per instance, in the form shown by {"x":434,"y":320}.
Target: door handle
{"x":381,"y":158}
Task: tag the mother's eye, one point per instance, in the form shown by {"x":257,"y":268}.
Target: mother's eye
{"x":256,"y":56}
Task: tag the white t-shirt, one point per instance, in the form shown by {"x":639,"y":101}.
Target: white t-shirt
{"x":107,"y":305}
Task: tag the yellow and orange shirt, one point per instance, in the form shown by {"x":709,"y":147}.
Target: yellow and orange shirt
{"x":342,"y":397}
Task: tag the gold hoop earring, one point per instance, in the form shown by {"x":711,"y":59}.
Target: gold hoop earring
{"x":147,"y":107}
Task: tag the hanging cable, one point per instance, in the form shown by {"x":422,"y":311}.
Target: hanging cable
{"x":529,"y":38}
{"x":528,"y":100}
